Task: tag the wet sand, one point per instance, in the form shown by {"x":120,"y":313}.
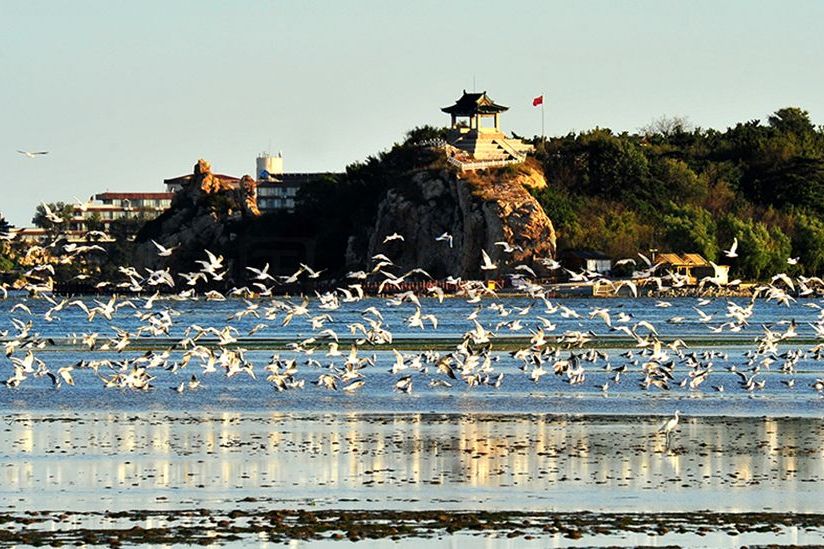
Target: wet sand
{"x":569,"y":474}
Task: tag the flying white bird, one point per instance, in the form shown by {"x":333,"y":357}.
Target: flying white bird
{"x":445,"y":237}
{"x":32,"y":154}
{"x":487,"y":265}
{"x":731,"y":252}
{"x":508,"y":248}
{"x":163,"y":251}
{"x":261,"y":274}
{"x":50,"y":215}
{"x":393,"y":236}
{"x":311,"y":272}
{"x":526,"y":269}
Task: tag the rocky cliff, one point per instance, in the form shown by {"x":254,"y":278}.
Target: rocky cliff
{"x":475,"y":209}
{"x":410,"y":192}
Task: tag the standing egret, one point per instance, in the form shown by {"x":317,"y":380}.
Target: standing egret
{"x":669,"y":427}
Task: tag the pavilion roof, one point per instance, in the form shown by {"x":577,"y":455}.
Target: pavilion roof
{"x":471,"y":104}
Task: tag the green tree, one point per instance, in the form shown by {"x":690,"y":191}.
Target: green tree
{"x":424,"y":133}
{"x":808,"y":243}
{"x":5,"y":226}
{"x":675,"y":180}
{"x":792,"y":120}
{"x":762,"y":250}
{"x":689,"y":229}
{"x":95,"y":223}
{"x":613,"y":166}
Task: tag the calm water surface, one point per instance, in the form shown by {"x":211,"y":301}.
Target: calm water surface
{"x":545,"y":445}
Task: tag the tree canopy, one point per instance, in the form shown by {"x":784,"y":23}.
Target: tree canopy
{"x":679,"y":188}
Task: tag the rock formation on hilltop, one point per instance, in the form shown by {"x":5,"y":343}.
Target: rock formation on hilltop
{"x":207,"y":213}
{"x":476,"y":209}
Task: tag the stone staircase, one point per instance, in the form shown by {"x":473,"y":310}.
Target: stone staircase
{"x":486,"y":149}
{"x":473,"y":151}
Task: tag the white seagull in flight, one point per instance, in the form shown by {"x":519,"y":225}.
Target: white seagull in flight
{"x":32,"y":154}
{"x":445,"y":237}
{"x":393,"y":236}
{"x":487,"y":264}
{"x":732,"y":251}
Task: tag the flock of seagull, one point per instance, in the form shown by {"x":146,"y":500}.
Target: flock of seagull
{"x":339,"y":354}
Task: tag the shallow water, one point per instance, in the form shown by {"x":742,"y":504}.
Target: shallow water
{"x":517,"y":394}
{"x":544,"y":446}
{"x":92,"y":462}
{"x":451,"y":316}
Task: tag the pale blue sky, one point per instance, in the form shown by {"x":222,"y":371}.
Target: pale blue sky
{"x":124,"y":94}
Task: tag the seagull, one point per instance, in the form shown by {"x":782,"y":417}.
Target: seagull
{"x":50,"y":215}
{"x":487,"y":265}
{"x":32,"y":154}
{"x":526,"y":269}
{"x":508,"y":248}
{"x":404,"y":384}
{"x":445,"y":237}
{"x":310,"y":272}
{"x":393,"y":236}
{"x":646,"y":259}
{"x":163,"y":251}
{"x":211,"y":266}
{"x":550,"y":263}
{"x":261,"y":274}
{"x":731,"y":252}
{"x":625,"y":262}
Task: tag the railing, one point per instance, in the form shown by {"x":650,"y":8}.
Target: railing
{"x":436,"y":142}
{"x":482,"y":164}
{"x":511,"y":150}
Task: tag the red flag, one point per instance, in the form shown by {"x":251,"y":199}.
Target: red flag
{"x":538,"y":101}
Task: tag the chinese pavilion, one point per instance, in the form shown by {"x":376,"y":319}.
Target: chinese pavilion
{"x":476,"y":136}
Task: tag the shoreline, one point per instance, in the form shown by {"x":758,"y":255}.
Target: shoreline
{"x":376,"y":416}
{"x":552,"y":290}
{"x":203,"y":526}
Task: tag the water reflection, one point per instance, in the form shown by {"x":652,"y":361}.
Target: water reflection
{"x":122,"y":460}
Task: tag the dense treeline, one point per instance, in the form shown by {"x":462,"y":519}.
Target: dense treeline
{"x":681,"y":189}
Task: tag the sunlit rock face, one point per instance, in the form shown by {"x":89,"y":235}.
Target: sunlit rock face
{"x":205,"y":214}
{"x":477,"y":209}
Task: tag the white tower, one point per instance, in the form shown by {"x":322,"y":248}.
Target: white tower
{"x":268,"y":165}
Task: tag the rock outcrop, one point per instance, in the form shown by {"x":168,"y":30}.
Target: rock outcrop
{"x":208,"y":213}
{"x":476,"y":209}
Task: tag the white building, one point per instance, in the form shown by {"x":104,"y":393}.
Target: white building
{"x":276,"y":189}
{"x":115,"y":206}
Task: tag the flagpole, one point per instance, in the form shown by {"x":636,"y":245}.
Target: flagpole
{"x":543,"y":139}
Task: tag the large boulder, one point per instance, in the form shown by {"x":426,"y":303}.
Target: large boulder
{"x":476,"y":209}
